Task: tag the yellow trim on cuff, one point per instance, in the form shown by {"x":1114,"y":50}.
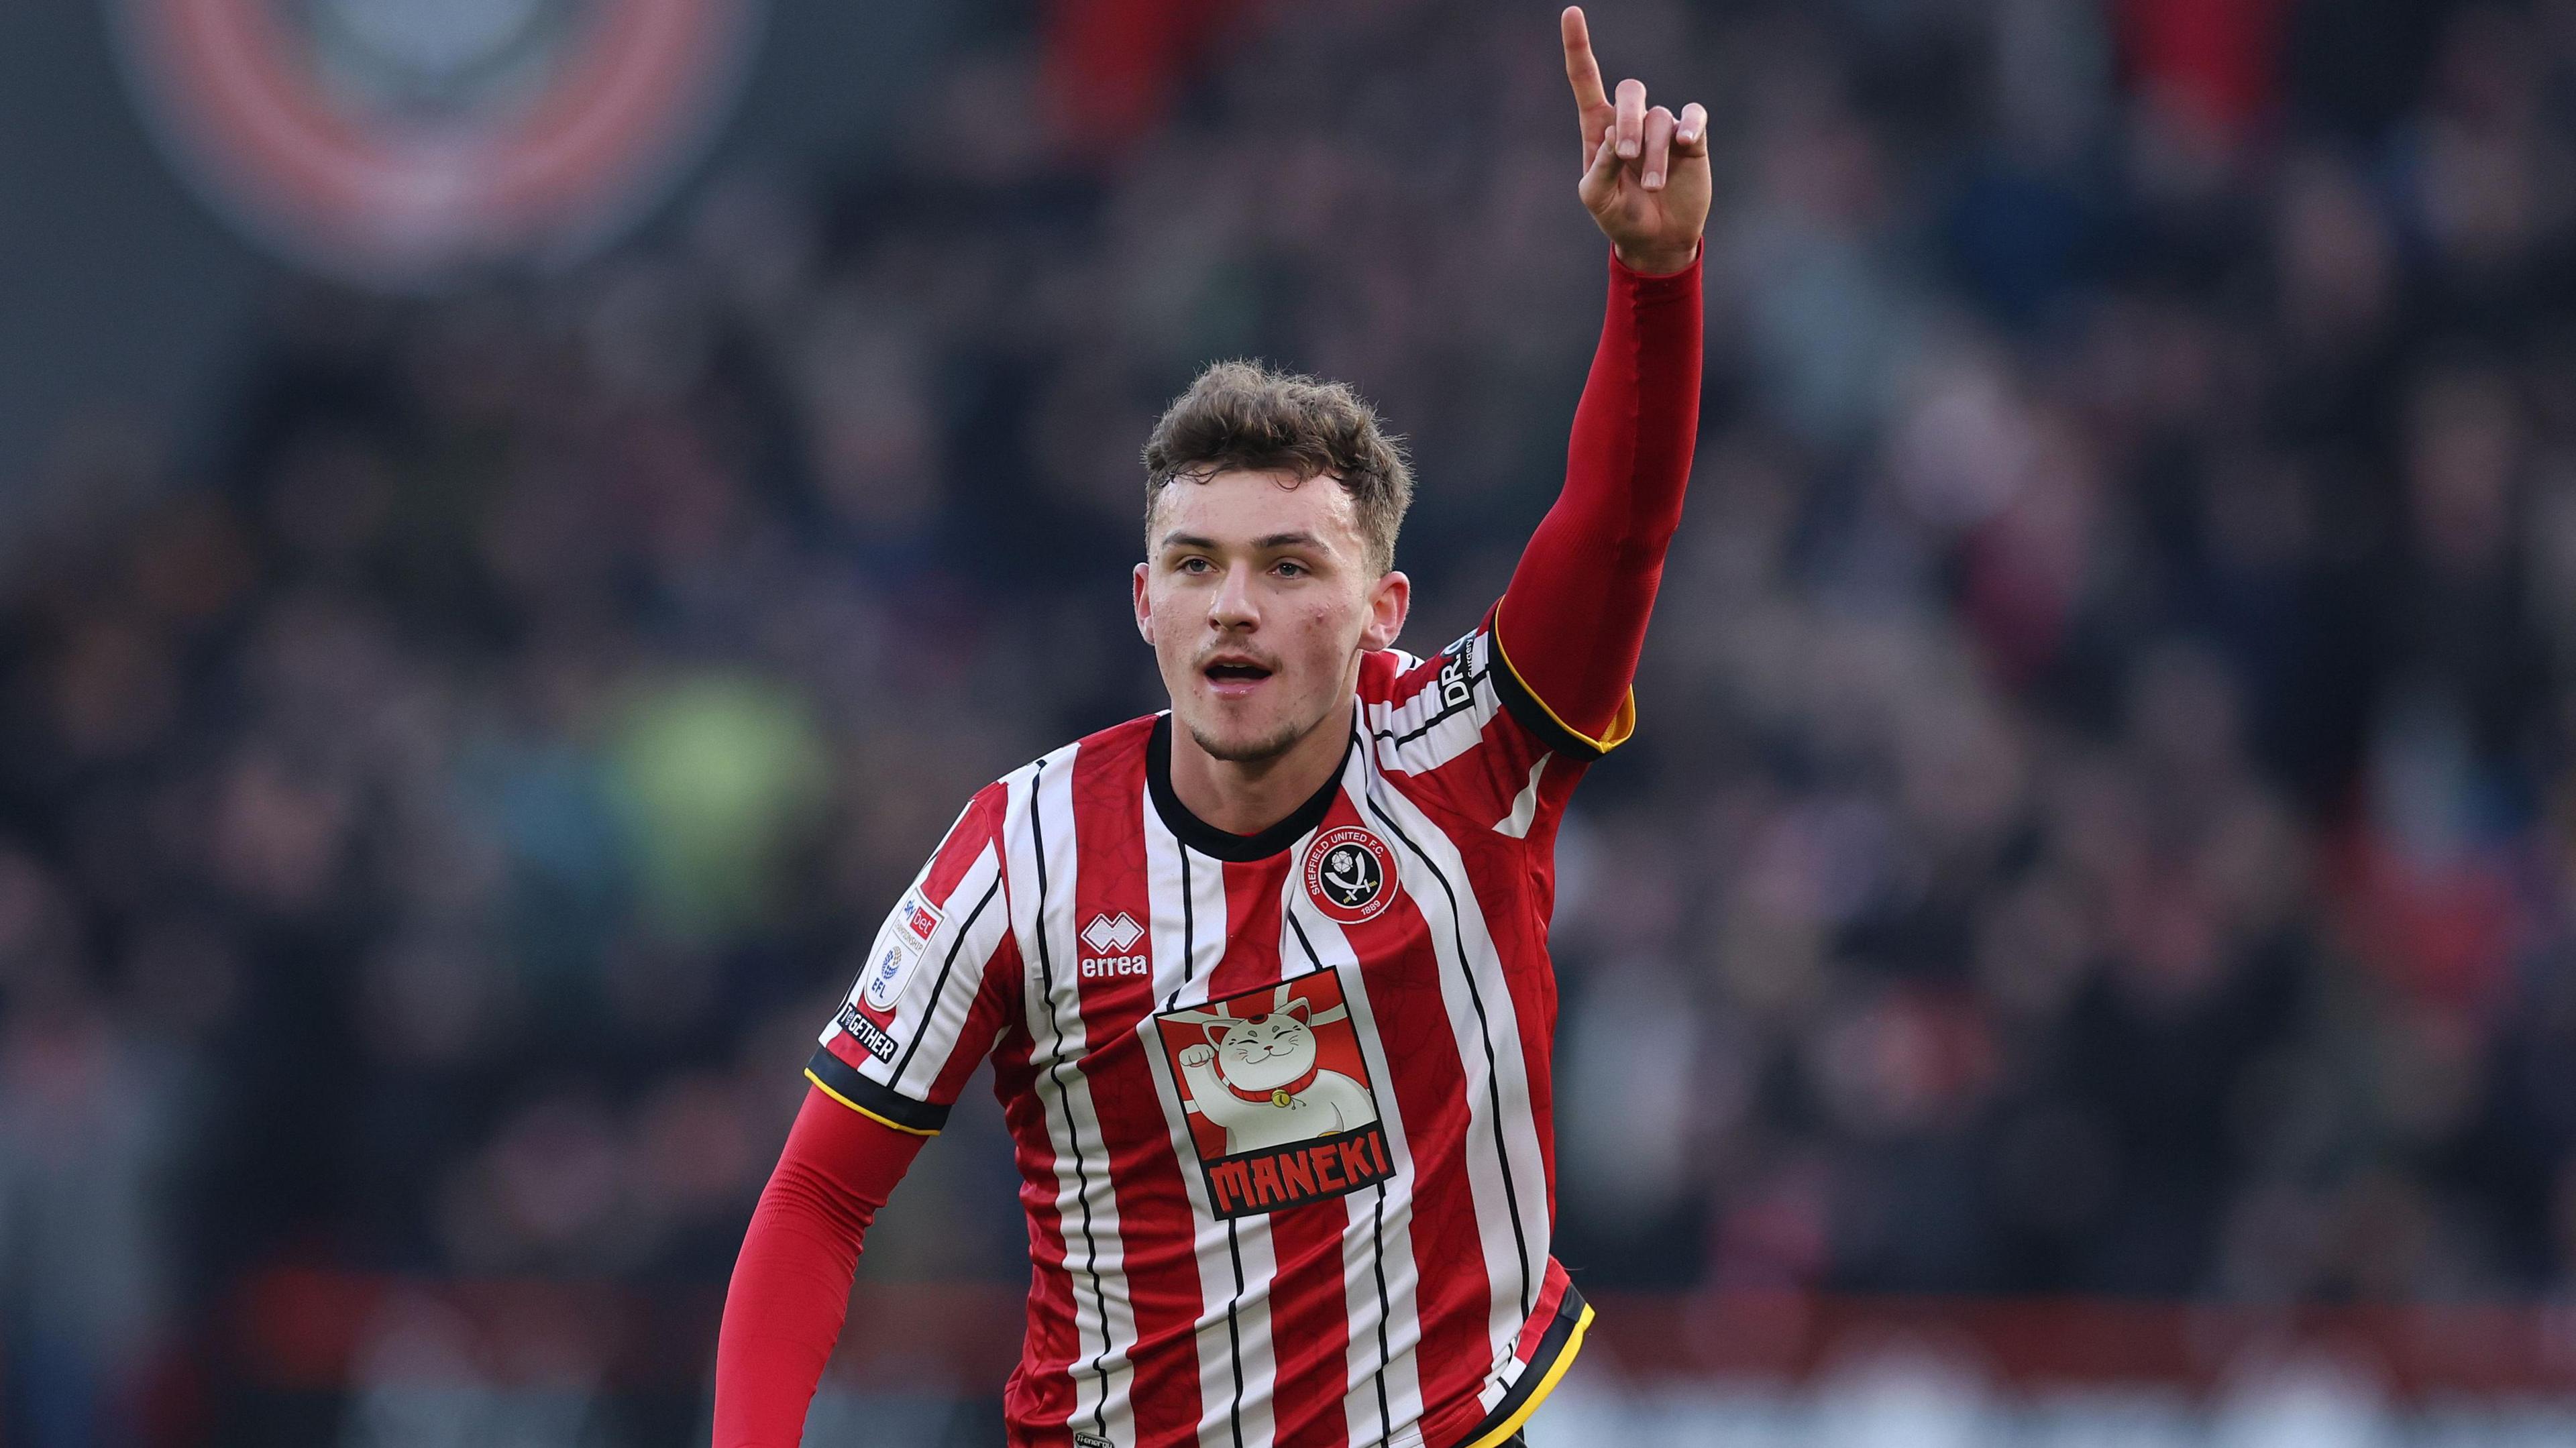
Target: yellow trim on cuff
{"x":1546,"y":1385}
{"x":1621,"y":726}
{"x":863,"y":1111}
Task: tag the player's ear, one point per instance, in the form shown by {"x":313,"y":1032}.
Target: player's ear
{"x":1390,"y":599}
{"x":1144,"y":606}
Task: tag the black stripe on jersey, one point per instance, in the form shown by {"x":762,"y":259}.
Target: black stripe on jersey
{"x":1485,"y":1032}
{"x":1377,"y":1227}
{"x":1233,"y":1243}
{"x":1233,"y":1336}
{"x":843,"y":1080}
{"x":930,"y":1012}
{"x":1064,"y":1101}
{"x":1532,"y":714}
{"x":1377,"y":1259}
{"x":1189,"y":928}
{"x":1551,"y":1346}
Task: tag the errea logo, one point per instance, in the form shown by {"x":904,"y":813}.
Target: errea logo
{"x":1112,"y":934}
{"x":1109,"y":936}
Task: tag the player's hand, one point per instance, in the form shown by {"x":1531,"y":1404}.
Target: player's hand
{"x":1197,"y":1055}
{"x":1645,"y":171}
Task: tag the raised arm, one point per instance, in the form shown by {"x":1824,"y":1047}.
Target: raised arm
{"x":791,"y":1285}
{"x":1573,"y":621}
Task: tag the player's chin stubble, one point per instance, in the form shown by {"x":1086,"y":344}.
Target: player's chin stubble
{"x":1258,"y":750}
{"x":1247,"y":748}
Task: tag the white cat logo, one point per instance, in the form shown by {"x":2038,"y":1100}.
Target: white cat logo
{"x":1277,"y":1086}
{"x":1259,"y":1079}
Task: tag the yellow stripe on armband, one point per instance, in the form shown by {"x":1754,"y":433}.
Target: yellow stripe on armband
{"x":1621,"y":726}
{"x":863,"y":1111}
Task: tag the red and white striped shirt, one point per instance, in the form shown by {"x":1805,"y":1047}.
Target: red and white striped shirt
{"x":1281,"y":1102}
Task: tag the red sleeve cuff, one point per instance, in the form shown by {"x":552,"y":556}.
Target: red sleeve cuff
{"x":1652,"y":283}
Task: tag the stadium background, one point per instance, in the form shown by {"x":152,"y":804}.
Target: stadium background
{"x":2079,"y":949}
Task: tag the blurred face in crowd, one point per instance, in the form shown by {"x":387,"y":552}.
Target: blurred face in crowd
{"x":1259,"y":595}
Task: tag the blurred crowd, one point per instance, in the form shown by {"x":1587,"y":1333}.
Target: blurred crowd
{"x":2100,"y":820}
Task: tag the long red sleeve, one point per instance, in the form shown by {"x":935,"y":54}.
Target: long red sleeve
{"x":1573,"y":621}
{"x":791,"y":1285}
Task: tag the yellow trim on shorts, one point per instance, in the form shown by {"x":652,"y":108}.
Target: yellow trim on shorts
{"x":1621,"y":726}
{"x":863,"y":1111}
{"x":1546,"y":1385}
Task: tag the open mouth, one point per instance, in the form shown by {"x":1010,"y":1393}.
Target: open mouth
{"x":1234,"y":676}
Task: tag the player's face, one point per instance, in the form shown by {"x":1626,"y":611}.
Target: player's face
{"x":1258,"y":598}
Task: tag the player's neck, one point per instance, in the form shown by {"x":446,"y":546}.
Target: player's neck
{"x":1245,"y":798}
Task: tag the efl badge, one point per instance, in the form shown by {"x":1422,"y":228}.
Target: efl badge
{"x":1350,"y":874}
{"x":402,"y":143}
{"x":886,"y":973}
{"x":1277,"y":1090}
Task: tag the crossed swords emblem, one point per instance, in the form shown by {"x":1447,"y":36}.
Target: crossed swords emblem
{"x":1347,"y":873}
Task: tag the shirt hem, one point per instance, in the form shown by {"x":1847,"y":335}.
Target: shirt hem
{"x":1556,"y":1352}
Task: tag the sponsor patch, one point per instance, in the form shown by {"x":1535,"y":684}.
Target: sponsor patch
{"x":867,"y":1033}
{"x":1456,"y":690}
{"x":920,"y":918}
{"x":898,"y":945}
{"x":1277,"y":1089}
{"x":1350,"y":874}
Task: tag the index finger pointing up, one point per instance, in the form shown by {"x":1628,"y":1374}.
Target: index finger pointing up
{"x":1580,"y":69}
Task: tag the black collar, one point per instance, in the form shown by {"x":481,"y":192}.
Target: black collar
{"x":1206,"y":838}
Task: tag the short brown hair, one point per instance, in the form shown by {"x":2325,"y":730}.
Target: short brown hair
{"x":1242,"y":415}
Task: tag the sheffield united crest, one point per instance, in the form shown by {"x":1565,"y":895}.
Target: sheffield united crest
{"x":1350,"y":874}
{"x":402,"y":142}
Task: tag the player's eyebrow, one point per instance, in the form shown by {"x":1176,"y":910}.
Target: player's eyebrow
{"x":1266,"y":544}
